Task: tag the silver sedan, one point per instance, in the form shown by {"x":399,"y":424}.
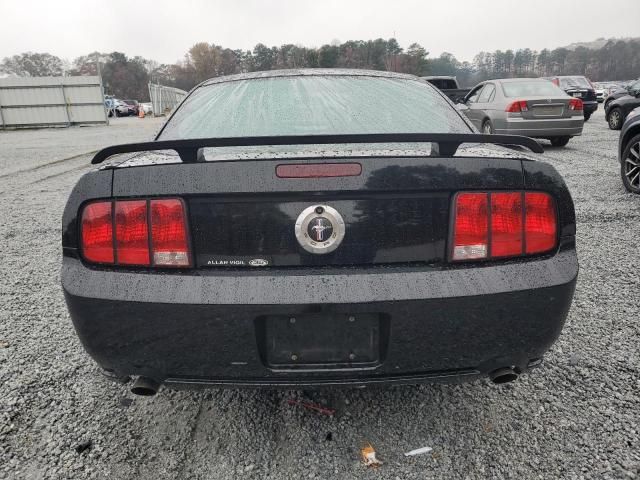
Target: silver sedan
{"x":533,"y":107}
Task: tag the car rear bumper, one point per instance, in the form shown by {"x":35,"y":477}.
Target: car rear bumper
{"x":590,"y":106}
{"x":544,"y":128}
{"x":432,"y":324}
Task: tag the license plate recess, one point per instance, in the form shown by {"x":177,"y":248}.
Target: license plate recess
{"x":322,"y":340}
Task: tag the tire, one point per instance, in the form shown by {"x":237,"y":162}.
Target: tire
{"x":559,"y":141}
{"x":630,"y":166}
{"x":587,"y":116}
{"x":614,"y":119}
{"x":487,"y":127}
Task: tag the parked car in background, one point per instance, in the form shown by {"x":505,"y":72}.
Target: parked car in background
{"x":124,"y":109}
{"x":524,"y":106}
{"x":600,"y":94}
{"x":621,"y":91}
{"x":616,"y":111}
{"x":288,"y":265}
{"x":132,"y":106}
{"x":579,"y":87}
{"x":116,"y":107}
{"x":611,"y":88}
{"x":146,"y":107}
{"x":629,"y":152}
{"x":449,"y":86}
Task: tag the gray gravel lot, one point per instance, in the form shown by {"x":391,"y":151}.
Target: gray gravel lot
{"x":576,"y":417}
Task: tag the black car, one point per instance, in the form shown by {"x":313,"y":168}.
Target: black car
{"x":449,"y":86}
{"x":318,"y":227}
{"x":629,"y":152}
{"x":579,"y":87}
{"x":617,"y":110}
{"x":631,"y":89}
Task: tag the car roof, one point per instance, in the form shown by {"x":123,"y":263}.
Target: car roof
{"x":308,"y":72}
{"x":439,"y":77}
{"x":518,"y":80}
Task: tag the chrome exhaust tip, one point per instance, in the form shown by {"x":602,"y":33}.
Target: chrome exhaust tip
{"x":503,"y":375}
{"x":145,"y":386}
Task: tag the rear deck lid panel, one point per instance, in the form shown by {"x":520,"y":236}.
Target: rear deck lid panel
{"x":496,"y":169}
{"x":382,"y":229}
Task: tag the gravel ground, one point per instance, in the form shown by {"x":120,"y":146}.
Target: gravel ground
{"x":576,"y":417}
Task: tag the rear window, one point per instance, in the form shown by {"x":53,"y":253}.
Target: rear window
{"x":530,"y":88}
{"x":573,"y":82}
{"x":313,"y":105}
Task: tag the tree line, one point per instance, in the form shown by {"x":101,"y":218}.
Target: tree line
{"x":127,"y":77}
{"x":615,"y":60}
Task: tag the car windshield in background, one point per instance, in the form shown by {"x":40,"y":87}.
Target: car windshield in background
{"x":313,"y":105}
{"x":531,"y":88}
{"x":572,"y":82}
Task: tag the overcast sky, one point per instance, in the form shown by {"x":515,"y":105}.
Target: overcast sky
{"x":164,"y":30}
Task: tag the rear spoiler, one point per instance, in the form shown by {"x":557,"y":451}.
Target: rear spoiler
{"x":188,"y":150}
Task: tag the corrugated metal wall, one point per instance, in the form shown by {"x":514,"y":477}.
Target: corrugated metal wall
{"x":50,"y":101}
{"x":164,"y":99}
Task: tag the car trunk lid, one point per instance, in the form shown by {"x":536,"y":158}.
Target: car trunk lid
{"x":395,"y":211}
{"x":585,"y":94}
{"x":547,"y":108}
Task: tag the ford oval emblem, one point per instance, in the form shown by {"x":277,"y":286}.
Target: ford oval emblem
{"x":258,"y":262}
{"x":320,"y":229}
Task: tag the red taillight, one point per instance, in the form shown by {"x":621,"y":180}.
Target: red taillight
{"x":97,"y":232}
{"x":136,"y":232}
{"x":132,"y":232}
{"x":319,"y":170}
{"x":540,"y":222}
{"x":517,"y":106}
{"x":169,"y":233}
{"x":506,"y":224}
{"x":503,"y":224}
{"x":576,"y":104}
{"x":470,"y":238}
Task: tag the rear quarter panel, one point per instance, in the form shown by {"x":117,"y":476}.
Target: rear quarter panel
{"x":543,"y":177}
{"x":93,"y":185}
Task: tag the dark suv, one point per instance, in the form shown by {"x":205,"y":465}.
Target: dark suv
{"x":632,"y":89}
{"x":616,"y":111}
{"x":579,"y":87}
